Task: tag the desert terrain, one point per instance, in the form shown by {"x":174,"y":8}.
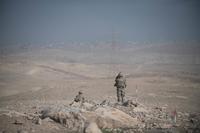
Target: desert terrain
{"x":161,"y":75}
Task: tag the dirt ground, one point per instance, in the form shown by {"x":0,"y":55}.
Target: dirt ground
{"x":171,"y":85}
{"x":25,"y":85}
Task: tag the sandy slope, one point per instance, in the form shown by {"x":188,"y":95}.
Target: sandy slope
{"x":51,"y":77}
{"x":61,"y":81}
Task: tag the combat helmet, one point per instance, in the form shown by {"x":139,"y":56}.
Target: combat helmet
{"x":120,"y":74}
{"x":80,"y":92}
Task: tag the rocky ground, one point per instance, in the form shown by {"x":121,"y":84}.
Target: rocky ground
{"x":91,"y":117}
{"x":36,"y":88}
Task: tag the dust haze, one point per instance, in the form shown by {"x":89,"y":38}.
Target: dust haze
{"x":47,"y":70}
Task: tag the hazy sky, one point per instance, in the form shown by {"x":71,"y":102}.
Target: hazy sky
{"x":89,"y":20}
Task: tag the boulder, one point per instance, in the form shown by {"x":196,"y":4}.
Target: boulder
{"x":108,"y":117}
{"x":18,"y":122}
{"x":76,"y":104}
{"x":92,"y":128}
{"x":73,"y":121}
{"x":140,"y":109}
{"x":84,"y":105}
{"x":22,"y":131}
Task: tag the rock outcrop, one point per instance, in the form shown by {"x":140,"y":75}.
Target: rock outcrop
{"x":92,"y":128}
{"x":108,"y":117}
{"x":103,"y":116}
{"x":73,"y":121}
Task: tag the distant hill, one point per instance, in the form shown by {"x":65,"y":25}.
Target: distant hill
{"x":105,"y":52}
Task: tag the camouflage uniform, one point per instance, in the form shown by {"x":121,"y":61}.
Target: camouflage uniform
{"x":79,"y":98}
{"x":120,"y":83}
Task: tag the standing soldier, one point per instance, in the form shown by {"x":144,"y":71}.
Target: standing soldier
{"x":120,"y":84}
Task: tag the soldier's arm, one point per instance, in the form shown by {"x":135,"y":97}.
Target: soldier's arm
{"x":116,"y":81}
{"x":77,"y":98}
{"x":83,"y":99}
{"x":125,"y":82}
